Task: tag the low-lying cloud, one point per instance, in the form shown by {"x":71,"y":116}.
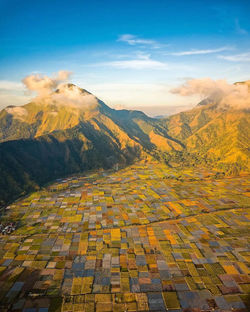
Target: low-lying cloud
{"x":73,"y":96}
{"x":67,"y":94}
{"x":17,"y":112}
{"x":233,"y":95}
{"x":44,"y":85}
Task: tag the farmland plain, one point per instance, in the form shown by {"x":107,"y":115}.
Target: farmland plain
{"x":143,"y":238}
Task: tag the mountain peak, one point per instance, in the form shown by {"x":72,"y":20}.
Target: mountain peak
{"x":229,"y":97}
{"x":71,"y":87}
{"x":212,"y":100}
{"x":70,"y":95}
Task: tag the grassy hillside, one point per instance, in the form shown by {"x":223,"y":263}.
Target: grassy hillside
{"x":215,"y":136}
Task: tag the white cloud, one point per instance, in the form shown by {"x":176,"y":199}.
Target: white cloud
{"x":71,"y":95}
{"x":17,"y":112}
{"x":43,"y":84}
{"x":143,"y":61}
{"x":67,"y":94}
{"x":197,"y":52}
{"x":133,"y":40}
{"x":233,"y":95}
{"x":242,"y":57}
{"x":12,"y":93}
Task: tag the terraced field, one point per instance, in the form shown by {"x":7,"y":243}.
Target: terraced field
{"x":144,"y":238}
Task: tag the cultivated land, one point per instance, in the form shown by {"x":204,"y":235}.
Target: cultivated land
{"x":144,"y":238}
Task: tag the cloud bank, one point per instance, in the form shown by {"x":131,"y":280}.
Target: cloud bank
{"x":71,"y":95}
{"x":66,"y":94}
{"x":235,"y":96}
{"x":44,"y":85}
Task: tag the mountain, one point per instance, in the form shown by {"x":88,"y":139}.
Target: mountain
{"x":213,"y":135}
{"x":71,"y":131}
{"x":73,"y":108}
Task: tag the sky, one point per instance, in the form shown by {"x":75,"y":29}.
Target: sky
{"x":128,"y":53}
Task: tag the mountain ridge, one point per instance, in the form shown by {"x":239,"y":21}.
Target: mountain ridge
{"x":72,"y":131}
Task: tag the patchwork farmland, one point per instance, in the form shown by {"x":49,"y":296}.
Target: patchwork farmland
{"x":144,"y":238}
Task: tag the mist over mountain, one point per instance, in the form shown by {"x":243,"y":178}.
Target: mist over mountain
{"x":69,"y":130}
{"x":224,"y":94}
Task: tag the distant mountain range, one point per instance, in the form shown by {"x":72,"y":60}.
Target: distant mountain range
{"x":71,"y":131}
{"x":161,"y":111}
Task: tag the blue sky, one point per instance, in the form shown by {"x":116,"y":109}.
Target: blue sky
{"x":129,"y":53}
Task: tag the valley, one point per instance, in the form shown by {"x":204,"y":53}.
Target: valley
{"x":125,"y":156}
{"x":56,"y":136}
{"x":143,"y":238}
